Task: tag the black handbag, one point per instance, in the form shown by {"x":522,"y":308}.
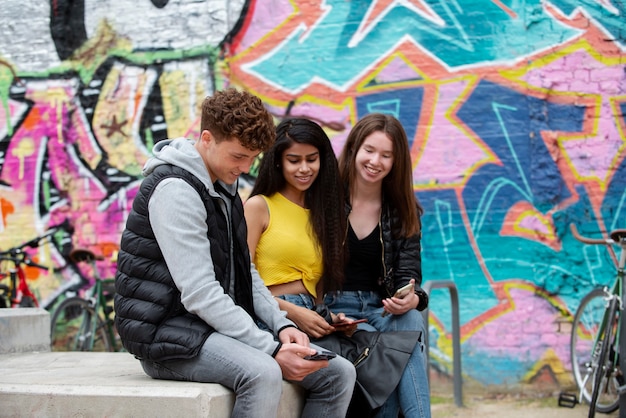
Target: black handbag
{"x":379,"y":357}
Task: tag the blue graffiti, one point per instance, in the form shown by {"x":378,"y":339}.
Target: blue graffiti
{"x":337,"y":49}
{"x":472,"y":251}
{"x":405,"y":105}
{"x":610,"y":17}
{"x":510,"y":124}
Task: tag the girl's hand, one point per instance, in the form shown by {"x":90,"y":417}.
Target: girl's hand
{"x":341,"y":323}
{"x":310,"y":322}
{"x":398,"y":306}
{"x":340,"y":317}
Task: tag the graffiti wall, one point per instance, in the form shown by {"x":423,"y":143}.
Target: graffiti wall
{"x":515,"y":113}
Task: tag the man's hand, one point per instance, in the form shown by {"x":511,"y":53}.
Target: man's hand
{"x":293,"y":335}
{"x":293,"y":365}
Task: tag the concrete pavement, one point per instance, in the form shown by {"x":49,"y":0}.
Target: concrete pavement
{"x":520,"y":401}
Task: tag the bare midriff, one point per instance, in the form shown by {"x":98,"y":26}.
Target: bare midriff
{"x":291,"y":288}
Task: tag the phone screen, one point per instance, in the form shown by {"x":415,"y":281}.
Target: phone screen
{"x":348,"y":324}
{"x":321,"y":355}
{"x":404,"y":291}
{"x":401,"y":293}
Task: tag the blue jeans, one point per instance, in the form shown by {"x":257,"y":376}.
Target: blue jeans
{"x":303,"y":300}
{"x":256,"y":379}
{"x":412,"y":395}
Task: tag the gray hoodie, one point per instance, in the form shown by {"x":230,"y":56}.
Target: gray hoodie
{"x":178,"y":219}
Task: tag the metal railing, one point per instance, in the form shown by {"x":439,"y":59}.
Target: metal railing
{"x":456,"y":334}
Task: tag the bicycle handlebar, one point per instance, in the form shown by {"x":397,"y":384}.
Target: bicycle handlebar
{"x":31,"y":263}
{"x":617,"y":236}
{"x":21,"y":257}
{"x":17,"y":255}
{"x":587,"y":240}
{"x":33,"y":243}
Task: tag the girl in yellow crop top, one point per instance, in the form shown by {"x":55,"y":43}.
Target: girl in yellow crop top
{"x":295,"y":217}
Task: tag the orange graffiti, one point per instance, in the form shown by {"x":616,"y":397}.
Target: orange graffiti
{"x":6,"y":208}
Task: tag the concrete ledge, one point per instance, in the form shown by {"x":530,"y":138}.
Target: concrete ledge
{"x":53,"y":384}
{"x":24,"y":330}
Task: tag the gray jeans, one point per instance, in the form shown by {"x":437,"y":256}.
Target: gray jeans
{"x":256,"y":379}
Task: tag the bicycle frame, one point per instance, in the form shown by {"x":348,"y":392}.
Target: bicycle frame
{"x":83,"y":322}
{"x":19,"y":292}
{"x":602,"y":369}
{"x":614,"y":293}
{"x":97,"y":300}
{"x":21,"y":288}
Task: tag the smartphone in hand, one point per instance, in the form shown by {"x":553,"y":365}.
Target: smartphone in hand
{"x":346,"y":324}
{"x":321,"y":355}
{"x":401,"y":293}
{"x":404,"y":291}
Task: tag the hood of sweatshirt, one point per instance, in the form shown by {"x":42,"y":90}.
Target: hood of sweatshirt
{"x":182,"y":153}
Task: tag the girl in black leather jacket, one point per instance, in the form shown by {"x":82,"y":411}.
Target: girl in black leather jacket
{"x":383,"y":246}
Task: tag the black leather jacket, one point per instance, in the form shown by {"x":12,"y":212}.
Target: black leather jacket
{"x":401,"y":257}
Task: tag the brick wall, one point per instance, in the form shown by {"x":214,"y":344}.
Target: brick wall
{"x":515,"y":117}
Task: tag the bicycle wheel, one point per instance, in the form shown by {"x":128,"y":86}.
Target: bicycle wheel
{"x":75,"y":326}
{"x":585,"y":328}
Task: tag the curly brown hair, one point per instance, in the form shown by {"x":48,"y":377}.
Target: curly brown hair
{"x":232,"y":114}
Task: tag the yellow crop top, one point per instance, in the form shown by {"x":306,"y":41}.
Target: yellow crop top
{"x":287,"y":251}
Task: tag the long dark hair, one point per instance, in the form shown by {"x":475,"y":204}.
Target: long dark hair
{"x":324,"y":198}
{"x":398,"y":184}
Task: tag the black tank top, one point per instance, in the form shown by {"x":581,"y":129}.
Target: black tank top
{"x":365,"y":262}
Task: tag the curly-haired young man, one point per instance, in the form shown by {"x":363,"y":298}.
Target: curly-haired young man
{"x":188,"y":300}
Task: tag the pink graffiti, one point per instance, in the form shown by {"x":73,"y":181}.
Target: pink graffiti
{"x":602,"y":79}
{"x":524,"y":333}
{"x":49,"y":151}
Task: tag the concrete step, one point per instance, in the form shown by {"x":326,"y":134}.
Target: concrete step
{"x":77,"y":384}
{"x":24,"y":330}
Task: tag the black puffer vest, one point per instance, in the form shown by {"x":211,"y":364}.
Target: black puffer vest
{"x":149,"y":316}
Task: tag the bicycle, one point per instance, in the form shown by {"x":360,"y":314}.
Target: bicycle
{"x":594,"y":342}
{"x":18,"y":293}
{"x":86,"y":323}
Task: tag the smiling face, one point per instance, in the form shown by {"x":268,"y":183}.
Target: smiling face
{"x":225,"y":160}
{"x":300,"y":165}
{"x":374,"y":159}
